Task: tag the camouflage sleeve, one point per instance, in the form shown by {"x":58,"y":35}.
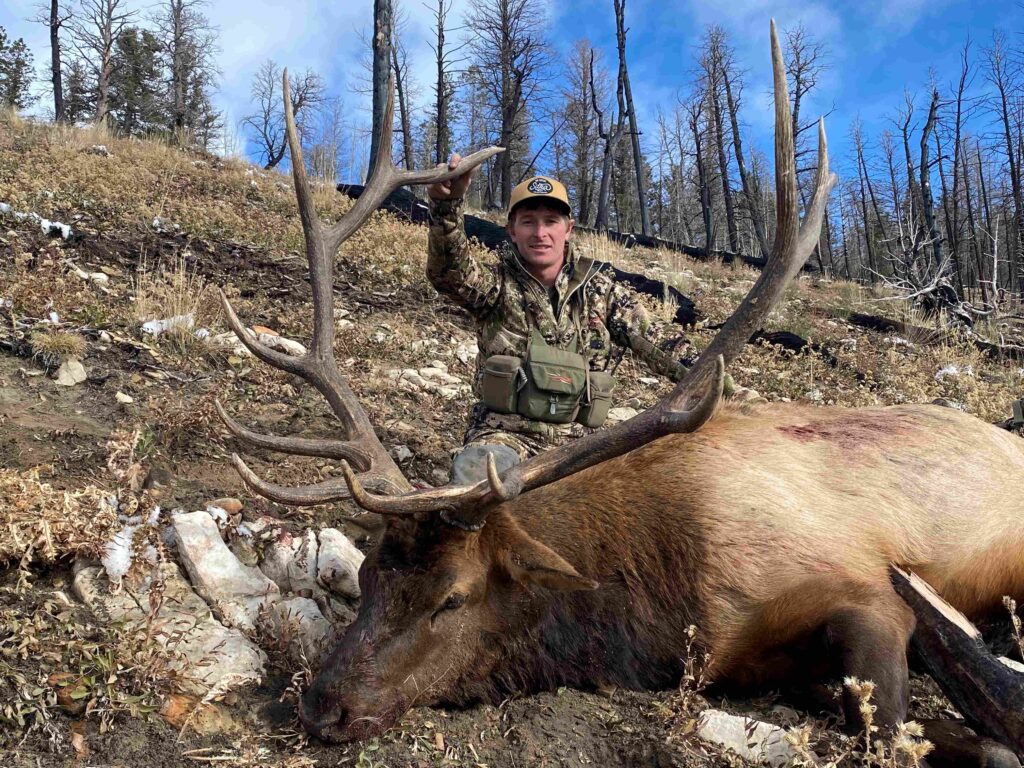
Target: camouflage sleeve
{"x":652,"y":340}
{"x":451,"y":266}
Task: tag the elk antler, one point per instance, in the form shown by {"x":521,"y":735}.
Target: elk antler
{"x":696,"y":397}
{"x":361,"y":449}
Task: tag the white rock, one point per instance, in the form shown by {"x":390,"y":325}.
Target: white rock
{"x":299,"y":622}
{"x":156,"y":327}
{"x":650,"y":381}
{"x":338,"y":563}
{"x":401,"y":453}
{"x":466,"y":351}
{"x":124,"y":399}
{"x":235,"y":592}
{"x":214,"y":657}
{"x":622,"y":413}
{"x":276,"y":556}
{"x":750,"y":739}
{"x":281,"y":344}
{"x":71,"y":372}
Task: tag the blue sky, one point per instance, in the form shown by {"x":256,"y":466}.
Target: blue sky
{"x":878,"y":48}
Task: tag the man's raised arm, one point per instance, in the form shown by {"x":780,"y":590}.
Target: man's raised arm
{"x":451,"y":267}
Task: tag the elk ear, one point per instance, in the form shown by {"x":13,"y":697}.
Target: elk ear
{"x":532,"y":563}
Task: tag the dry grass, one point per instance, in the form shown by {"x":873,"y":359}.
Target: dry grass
{"x":41,"y":524}
{"x":52,"y":346}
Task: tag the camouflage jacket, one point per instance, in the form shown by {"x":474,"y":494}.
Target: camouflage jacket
{"x":508,"y":302}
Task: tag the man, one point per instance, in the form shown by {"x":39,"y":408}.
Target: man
{"x":540,"y":285}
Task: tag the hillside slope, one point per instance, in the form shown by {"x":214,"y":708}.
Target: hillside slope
{"x":155,"y":231}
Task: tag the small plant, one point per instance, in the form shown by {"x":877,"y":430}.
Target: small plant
{"x":173,"y":304}
{"x":53,"y":346}
{"x":1015,"y":622}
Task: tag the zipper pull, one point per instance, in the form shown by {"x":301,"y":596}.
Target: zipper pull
{"x":551,"y":408}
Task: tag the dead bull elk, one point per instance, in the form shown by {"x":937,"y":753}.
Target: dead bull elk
{"x":771,"y":528}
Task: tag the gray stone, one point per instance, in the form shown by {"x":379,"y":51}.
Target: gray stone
{"x":71,"y":372}
{"x":750,"y":739}
{"x":235,"y":592}
{"x":212,"y":656}
{"x":338,"y":563}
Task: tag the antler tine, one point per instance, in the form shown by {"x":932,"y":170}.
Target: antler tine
{"x":792,"y":244}
{"x":299,"y":446}
{"x":335,"y":489}
{"x":428,"y":500}
{"x":385,"y":178}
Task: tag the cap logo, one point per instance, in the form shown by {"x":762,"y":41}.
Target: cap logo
{"x":539,"y":187}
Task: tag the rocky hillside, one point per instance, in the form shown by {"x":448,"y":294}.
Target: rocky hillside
{"x":112,"y":352}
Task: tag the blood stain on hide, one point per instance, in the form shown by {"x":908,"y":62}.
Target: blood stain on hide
{"x":851,"y":431}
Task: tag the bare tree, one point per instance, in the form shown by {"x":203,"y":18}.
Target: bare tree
{"x":50,"y":15}
{"x":94,"y":31}
{"x":189,"y":48}
{"x":733,"y":85}
{"x":267,"y":122}
{"x":698,"y":123}
{"x":323,"y":146}
{"x":444,"y":88}
{"x":634,"y":131}
{"x":581,"y":121}
{"x":712,"y":63}
{"x":927,"y":202}
{"x":1004,"y":77}
{"x":510,"y":51}
{"x":610,"y":135}
{"x":403,"y":84}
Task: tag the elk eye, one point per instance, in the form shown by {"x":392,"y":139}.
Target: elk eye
{"x":455,"y":600}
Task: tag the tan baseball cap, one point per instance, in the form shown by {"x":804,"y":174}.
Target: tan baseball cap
{"x":543,"y":187}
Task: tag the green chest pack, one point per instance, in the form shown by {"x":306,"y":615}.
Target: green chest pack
{"x":552,"y":385}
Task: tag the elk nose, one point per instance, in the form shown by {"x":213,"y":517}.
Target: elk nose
{"x":324,"y":727}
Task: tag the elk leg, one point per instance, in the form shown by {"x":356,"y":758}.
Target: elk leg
{"x":957,"y":746}
{"x":872,"y":642}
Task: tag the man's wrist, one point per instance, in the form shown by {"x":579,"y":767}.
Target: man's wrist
{"x":440,"y":208}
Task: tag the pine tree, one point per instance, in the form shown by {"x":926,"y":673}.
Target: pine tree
{"x":79,"y":95}
{"x":136,"y":84}
{"x":15,"y":72}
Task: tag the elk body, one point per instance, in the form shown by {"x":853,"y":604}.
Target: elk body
{"x":770,"y":528}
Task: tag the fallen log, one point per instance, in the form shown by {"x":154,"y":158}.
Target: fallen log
{"x":923,"y":335}
{"x":986,"y":691}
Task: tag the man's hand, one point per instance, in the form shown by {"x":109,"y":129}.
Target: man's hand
{"x":453,"y":188}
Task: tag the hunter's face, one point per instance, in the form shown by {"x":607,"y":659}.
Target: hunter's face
{"x":540,"y":234}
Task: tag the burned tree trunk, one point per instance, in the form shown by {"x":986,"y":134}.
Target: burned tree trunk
{"x":927,"y":202}
{"x":383,"y":30}
{"x":988,"y":694}
{"x":638,"y":159}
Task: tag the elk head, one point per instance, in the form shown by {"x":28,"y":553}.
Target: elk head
{"x":456,"y":584}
